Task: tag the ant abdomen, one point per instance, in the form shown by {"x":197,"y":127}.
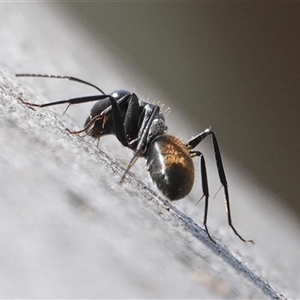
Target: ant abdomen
{"x":170,"y":166}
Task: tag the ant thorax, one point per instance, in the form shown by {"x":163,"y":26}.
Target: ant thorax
{"x":158,"y":125}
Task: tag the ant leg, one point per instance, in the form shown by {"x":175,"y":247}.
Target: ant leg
{"x":125,"y":126}
{"x":141,"y":140}
{"x":87,"y":126}
{"x":114,"y":108}
{"x":204,"y":189}
{"x":191,"y":144}
{"x":131,"y":117}
{"x":225,"y":185}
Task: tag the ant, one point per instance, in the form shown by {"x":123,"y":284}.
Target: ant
{"x":140,"y":126}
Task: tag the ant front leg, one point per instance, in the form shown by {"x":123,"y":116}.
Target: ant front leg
{"x":140,"y":142}
{"x":125,"y":128}
{"x":191,"y":144}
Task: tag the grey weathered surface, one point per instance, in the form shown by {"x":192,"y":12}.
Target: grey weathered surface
{"x":68,"y":229}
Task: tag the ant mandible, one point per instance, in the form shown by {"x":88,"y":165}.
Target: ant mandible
{"x":140,"y":126}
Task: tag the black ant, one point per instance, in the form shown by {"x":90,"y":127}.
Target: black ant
{"x":140,"y":126}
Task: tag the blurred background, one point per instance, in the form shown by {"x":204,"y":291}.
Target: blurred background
{"x":232,"y":66}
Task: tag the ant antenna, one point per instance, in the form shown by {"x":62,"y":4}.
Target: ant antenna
{"x":61,"y":77}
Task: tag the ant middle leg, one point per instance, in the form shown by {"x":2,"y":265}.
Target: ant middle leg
{"x":205,"y":190}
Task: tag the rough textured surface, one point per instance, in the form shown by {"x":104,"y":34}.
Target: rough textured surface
{"x":68,"y":229}
{"x":66,"y":222}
